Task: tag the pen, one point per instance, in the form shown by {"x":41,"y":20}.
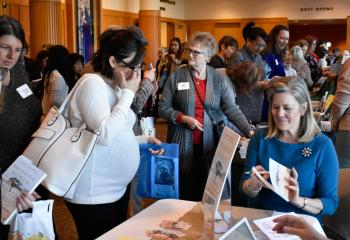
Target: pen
{"x":260,"y":172}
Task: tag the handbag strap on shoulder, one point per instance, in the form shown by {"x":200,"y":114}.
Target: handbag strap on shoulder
{"x":199,"y":97}
{"x":63,"y":105}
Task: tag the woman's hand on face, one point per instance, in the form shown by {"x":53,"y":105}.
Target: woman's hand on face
{"x":192,"y":123}
{"x":293,"y":187}
{"x":25,"y":199}
{"x":132,"y":83}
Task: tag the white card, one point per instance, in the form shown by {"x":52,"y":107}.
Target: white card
{"x":183,"y":86}
{"x":276,"y":61}
{"x":24,"y":91}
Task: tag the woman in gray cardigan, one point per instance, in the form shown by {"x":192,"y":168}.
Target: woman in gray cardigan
{"x":188,"y":122}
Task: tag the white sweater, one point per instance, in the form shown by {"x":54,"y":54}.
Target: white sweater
{"x":116,"y":156}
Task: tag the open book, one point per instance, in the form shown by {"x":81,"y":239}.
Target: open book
{"x":279,"y":175}
{"x":22,"y":175}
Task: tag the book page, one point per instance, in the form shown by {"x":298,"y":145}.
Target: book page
{"x":279,"y":176}
{"x":22,"y":175}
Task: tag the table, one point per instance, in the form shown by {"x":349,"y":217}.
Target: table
{"x":149,"y":219}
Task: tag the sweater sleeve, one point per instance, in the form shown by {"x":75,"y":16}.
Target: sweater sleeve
{"x":97,"y":112}
{"x":342,"y":96}
{"x":231,"y":109}
{"x":142,"y":95}
{"x":327,"y":175}
{"x":165,"y":106}
{"x":59,"y":89}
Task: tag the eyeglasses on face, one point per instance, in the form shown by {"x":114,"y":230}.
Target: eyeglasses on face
{"x":260,"y":45}
{"x":133,"y":68}
{"x":194,"y":53}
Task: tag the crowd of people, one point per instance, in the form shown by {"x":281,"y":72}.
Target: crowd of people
{"x":194,"y":86}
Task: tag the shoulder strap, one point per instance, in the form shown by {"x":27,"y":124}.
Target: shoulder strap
{"x":74,"y":89}
{"x":199,"y":97}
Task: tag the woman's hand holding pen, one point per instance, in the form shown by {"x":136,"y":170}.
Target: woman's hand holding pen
{"x":255,"y":183}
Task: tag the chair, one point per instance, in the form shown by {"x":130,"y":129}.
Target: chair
{"x":340,"y":221}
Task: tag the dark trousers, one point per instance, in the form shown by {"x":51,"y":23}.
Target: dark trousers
{"x":94,"y":220}
{"x":192,"y":184}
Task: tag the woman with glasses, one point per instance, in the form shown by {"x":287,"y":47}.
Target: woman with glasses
{"x":255,"y":41}
{"x":20,"y":110}
{"x":102,"y":100}
{"x":194,"y":94}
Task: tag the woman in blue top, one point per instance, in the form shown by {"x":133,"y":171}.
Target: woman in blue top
{"x":294,"y":140}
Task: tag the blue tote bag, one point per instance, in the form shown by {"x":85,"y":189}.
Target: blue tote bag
{"x":158,"y":175}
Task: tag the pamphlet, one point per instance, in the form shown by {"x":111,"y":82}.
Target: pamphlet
{"x":266,"y":225}
{"x":22,"y":175}
{"x":279,"y":176}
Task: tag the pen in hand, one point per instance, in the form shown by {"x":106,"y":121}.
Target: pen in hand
{"x":260,"y":172}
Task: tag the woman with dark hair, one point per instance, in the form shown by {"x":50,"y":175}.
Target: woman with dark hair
{"x":312,"y":59}
{"x":102,"y":101}
{"x":169,"y":62}
{"x":256,"y":39}
{"x":276,"y":51}
{"x":55,"y":78}
{"x":19,"y":113}
{"x":75,"y":68}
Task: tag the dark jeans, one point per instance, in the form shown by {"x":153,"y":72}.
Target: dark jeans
{"x":94,"y":220}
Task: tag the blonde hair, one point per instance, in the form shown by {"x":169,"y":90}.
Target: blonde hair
{"x":308,"y":127}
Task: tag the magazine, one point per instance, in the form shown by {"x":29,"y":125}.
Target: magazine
{"x":22,"y":175}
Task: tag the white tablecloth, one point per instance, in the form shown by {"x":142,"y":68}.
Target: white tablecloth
{"x":149,"y":219}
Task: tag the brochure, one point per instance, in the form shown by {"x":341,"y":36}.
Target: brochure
{"x":22,"y":175}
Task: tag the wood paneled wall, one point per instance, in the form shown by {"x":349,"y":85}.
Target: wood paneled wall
{"x":48,"y":23}
{"x":150,"y":24}
{"x":335,"y":33}
{"x":112,"y":17}
{"x":233,"y":27}
{"x":18,"y":9}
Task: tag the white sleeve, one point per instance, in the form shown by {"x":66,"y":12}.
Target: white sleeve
{"x":98,"y":114}
{"x":59,"y":89}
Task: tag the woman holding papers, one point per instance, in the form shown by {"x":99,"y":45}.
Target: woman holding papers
{"x":293,"y":140}
{"x":20,"y":110}
{"x":192,"y":96}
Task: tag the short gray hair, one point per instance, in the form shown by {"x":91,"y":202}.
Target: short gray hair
{"x":308,"y":127}
{"x":206,"y":40}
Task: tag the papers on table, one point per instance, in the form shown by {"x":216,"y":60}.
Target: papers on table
{"x":279,"y":176}
{"x":266,"y":225}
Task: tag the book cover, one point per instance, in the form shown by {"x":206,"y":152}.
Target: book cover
{"x":22,"y":175}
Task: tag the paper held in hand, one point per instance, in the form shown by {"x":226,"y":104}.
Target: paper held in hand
{"x":279,"y":176}
{"x":22,"y":175}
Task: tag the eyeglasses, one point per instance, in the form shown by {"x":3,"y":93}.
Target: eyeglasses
{"x":133,"y":68}
{"x":194,"y":53}
{"x":260,"y":45}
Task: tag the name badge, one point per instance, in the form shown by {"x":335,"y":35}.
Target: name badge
{"x":276,"y":62}
{"x":24,"y":91}
{"x":183,"y":86}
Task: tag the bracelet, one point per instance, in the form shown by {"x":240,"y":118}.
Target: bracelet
{"x":304,"y":204}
